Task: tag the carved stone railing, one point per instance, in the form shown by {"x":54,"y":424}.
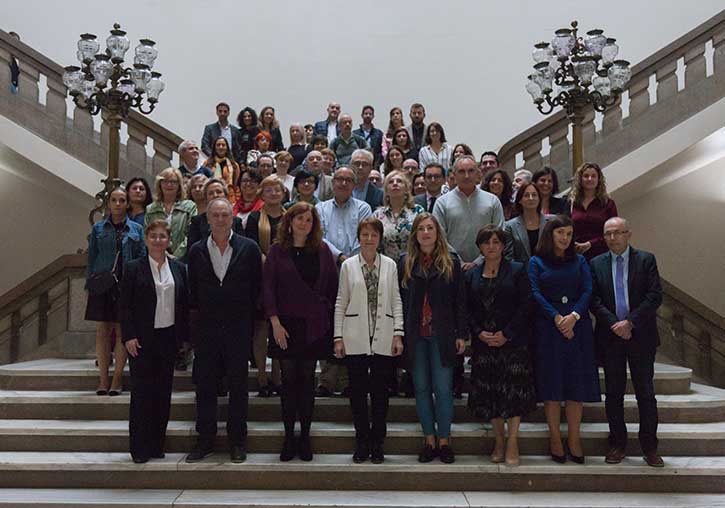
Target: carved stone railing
{"x":692,"y":335}
{"x":45,"y":113}
{"x":44,"y":307}
{"x":653,"y":109}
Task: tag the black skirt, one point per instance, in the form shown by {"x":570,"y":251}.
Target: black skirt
{"x":502,"y":383}
{"x":105,"y":307}
{"x":297,"y":345}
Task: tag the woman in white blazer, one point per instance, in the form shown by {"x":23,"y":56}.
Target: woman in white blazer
{"x":369,"y":334}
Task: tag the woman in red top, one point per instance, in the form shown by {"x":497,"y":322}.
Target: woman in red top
{"x":591,"y":207}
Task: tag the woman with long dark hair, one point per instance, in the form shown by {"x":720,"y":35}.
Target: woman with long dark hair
{"x":433,"y":294}
{"x":402,"y":140}
{"x":547,"y":182}
{"x":224,"y":167}
{"x":139,"y":197}
{"x":247,"y":121}
{"x":498,"y":183}
{"x":396,"y":121}
{"x":299,"y":292}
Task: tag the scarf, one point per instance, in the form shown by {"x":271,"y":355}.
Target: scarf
{"x":265,"y":230}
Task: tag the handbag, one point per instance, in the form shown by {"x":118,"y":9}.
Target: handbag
{"x":102,"y":282}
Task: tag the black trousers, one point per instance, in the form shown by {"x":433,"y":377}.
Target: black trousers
{"x":152,"y":376}
{"x":369,"y":374}
{"x":298,"y":394}
{"x":617,"y":354}
{"x":217,"y":355}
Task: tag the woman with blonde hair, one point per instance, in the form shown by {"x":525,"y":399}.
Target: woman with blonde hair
{"x":268,"y":123}
{"x":262,"y":228}
{"x":433,"y":294}
{"x":397,"y":214}
{"x":396,"y":121}
{"x":195,"y":190}
{"x":171,"y":205}
{"x":224,"y":167}
{"x":591,"y":207}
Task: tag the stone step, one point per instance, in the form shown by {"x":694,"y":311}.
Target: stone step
{"x":123,"y":498}
{"x":702,"y":404}
{"x":704,"y":439}
{"x":338,"y":472}
{"x":79,"y":374}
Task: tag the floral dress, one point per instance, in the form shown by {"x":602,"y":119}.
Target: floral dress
{"x":396,"y":230}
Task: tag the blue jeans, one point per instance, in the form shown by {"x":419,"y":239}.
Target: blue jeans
{"x":431,"y":377}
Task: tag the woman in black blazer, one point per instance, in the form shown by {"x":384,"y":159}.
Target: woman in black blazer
{"x":154,"y":323}
{"x":498,"y":299}
{"x":434,"y":310}
{"x":548,"y":184}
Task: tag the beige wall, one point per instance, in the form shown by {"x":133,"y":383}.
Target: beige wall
{"x":683,"y":223}
{"x":41,"y":217}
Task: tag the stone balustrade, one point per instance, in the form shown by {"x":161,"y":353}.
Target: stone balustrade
{"x":146,"y":149}
{"x":656,"y":103}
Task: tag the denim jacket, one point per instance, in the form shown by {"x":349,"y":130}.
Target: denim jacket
{"x":102,"y":245}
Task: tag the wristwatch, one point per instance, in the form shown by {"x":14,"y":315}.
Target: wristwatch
{"x":576,"y":315}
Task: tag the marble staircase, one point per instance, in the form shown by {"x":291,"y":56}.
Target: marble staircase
{"x":55,"y":433}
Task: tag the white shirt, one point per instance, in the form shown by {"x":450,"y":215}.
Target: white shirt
{"x":164,"y":282}
{"x":226,"y":134}
{"x":219,"y":261}
{"x":331,"y":131}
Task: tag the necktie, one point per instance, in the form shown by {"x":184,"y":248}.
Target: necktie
{"x":432,"y":202}
{"x":619,"y":290}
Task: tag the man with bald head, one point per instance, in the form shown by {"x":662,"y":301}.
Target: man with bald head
{"x":313,"y":164}
{"x":362,"y":166}
{"x":347,"y":142}
{"x":225,"y":275}
{"x":329,"y":127}
{"x":626,"y":295}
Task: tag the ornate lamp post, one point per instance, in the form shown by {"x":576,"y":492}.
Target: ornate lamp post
{"x":102,"y":83}
{"x":575,"y":72}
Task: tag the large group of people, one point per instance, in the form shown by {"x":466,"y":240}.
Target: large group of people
{"x":386,"y":257}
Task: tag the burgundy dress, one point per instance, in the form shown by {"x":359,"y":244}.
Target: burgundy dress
{"x":589,"y":225}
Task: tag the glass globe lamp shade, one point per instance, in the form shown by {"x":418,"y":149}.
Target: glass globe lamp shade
{"x":584,"y":68}
{"x":619,"y":74}
{"x":563,"y":42}
{"x":73,"y":79}
{"x":154,"y":87}
{"x":140,"y":75}
{"x":88,"y":46}
{"x":602,"y":84}
{"x":117,"y":44}
{"x":544,"y":76}
{"x":102,"y":69}
{"x":542,"y":52}
{"x":126,"y":86}
{"x":533,"y":88}
{"x":88,"y":88}
{"x":594,"y":42}
{"x":609,"y":51}
{"x":146,"y":53}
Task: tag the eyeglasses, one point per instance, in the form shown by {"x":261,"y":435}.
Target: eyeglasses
{"x":344,"y":180}
{"x":434,"y":177}
{"x":159,"y":236}
{"x":361,"y":164}
{"x":170,"y":181}
{"x":615,"y":234}
{"x":247,"y":182}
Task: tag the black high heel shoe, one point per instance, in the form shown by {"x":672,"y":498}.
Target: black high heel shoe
{"x":559,"y":459}
{"x":574,"y":458}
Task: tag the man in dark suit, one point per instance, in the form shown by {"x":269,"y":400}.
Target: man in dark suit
{"x":435,"y":177}
{"x":222,"y":128}
{"x":626,"y":295}
{"x":362,"y":164}
{"x":329,"y":127}
{"x":225,"y":273}
{"x":372,"y":135}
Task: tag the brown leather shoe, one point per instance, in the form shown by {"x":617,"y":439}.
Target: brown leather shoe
{"x":654,"y":460}
{"x":614,"y":456}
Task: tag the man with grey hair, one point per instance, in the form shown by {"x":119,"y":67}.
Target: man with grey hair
{"x":521,"y":177}
{"x":190,"y":160}
{"x":362,"y":165}
{"x":466,"y":209}
{"x":225,"y":276}
{"x":347,"y":142}
{"x":313,"y":164}
{"x":626,"y":293}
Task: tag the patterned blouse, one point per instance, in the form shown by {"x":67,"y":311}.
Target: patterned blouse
{"x":396,"y":231}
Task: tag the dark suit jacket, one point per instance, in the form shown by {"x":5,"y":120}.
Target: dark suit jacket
{"x":422,"y":200}
{"x":448,"y":303}
{"x":199,"y":228}
{"x":138,"y":301}
{"x":321,"y":127}
{"x":374,"y":196}
{"x":645,"y":296}
{"x":511,"y":308}
{"x":226,"y":307}
{"x":375,"y":142}
{"x":213,"y":131}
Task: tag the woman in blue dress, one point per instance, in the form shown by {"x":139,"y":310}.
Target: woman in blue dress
{"x":566,"y":368}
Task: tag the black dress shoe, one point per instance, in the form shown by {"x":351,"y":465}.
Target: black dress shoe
{"x":323,"y":392}
{"x":304,"y":448}
{"x":114,"y":393}
{"x":140,"y":460}
{"x":264,"y":392}
{"x":158,"y":455}
{"x":347,"y":392}
{"x":427,"y":454}
{"x":289,"y":449}
{"x":238,"y":453}
{"x":101,"y":391}
{"x":362,"y":451}
{"x":376,"y":453}
{"x":201,"y":450}
{"x":446,"y":454}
